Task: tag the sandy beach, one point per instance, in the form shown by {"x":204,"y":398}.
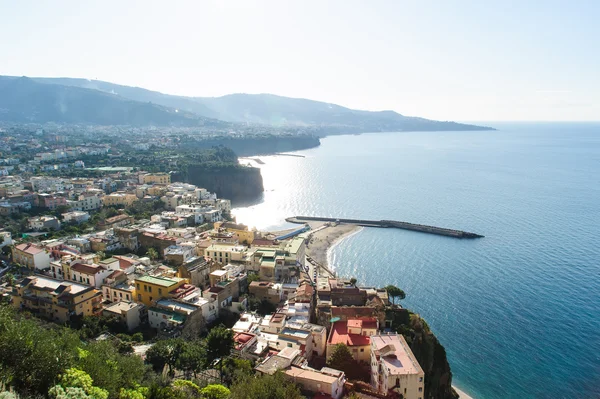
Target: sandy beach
{"x":461,"y":394}
{"x":324,"y":237}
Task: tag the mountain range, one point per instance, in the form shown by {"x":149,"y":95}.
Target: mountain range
{"x":71,"y":100}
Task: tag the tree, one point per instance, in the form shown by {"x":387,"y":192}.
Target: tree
{"x":353,"y":281}
{"x":219,"y":343}
{"x":152,"y":253}
{"x":80,"y":380}
{"x":341,"y":358}
{"x":215,"y":391}
{"x":165,"y":353}
{"x":274,"y":386}
{"x":101,"y":255}
{"x":395,"y":293}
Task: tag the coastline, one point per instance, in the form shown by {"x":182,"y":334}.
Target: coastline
{"x":325,"y":237}
{"x":461,"y":393}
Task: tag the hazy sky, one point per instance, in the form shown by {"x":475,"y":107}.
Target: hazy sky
{"x":445,"y":59}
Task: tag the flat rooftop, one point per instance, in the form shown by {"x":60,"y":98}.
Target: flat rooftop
{"x":179,"y":307}
{"x":162,"y":281}
{"x":50,"y":284}
{"x":393,"y":351}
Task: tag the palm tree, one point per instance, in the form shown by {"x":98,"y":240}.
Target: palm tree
{"x":152,"y":253}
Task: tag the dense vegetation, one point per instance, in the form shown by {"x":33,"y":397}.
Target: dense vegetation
{"x":41,"y":360}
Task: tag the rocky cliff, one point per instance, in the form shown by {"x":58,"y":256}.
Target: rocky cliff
{"x":240,"y":184}
{"x":430,"y":354}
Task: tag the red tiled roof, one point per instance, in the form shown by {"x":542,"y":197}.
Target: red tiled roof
{"x":86,"y":269}
{"x":339,"y":335}
{"x":30,"y":248}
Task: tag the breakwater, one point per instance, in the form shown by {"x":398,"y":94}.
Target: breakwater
{"x":389,"y":224}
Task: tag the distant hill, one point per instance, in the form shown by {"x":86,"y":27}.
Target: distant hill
{"x":27,"y":100}
{"x":267,"y":109}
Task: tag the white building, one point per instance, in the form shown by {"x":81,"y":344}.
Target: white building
{"x":93,"y":275}
{"x":395,"y":368}
{"x":76,"y":217}
{"x":130,"y":313}
{"x":5,"y":239}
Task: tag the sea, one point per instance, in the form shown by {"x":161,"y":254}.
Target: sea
{"x":517,"y":311}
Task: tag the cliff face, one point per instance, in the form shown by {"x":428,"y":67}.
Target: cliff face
{"x":237,"y":183}
{"x":430,"y":354}
{"x":260,"y":145}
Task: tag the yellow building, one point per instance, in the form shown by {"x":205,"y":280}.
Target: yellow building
{"x":245,"y":236}
{"x":116,"y":199}
{"x":356,"y":335}
{"x":156,"y":178}
{"x":55,"y":299}
{"x":149,"y":289}
{"x":226,"y":253}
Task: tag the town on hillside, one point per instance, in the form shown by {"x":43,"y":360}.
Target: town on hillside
{"x":134,"y":254}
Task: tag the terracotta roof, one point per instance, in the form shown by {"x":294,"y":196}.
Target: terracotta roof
{"x":30,"y":248}
{"x":339,"y":335}
{"x":86,"y":269}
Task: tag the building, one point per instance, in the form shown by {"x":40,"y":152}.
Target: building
{"x":197,"y":270}
{"x":50,"y":201}
{"x":244,"y":235}
{"x":130,"y":313}
{"x":41,"y":223}
{"x":148,"y":289}
{"x":117,"y":287}
{"x":266,"y":290}
{"x":115,"y":221}
{"x":86,"y":201}
{"x":174,"y":318}
{"x":93,"y":275}
{"x":155,"y":178}
{"x":76,"y":217}
{"x":226,"y":253}
{"x":55,"y":299}
{"x":119,"y":199}
{"x":327,"y":381}
{"x":31,"y":256}
{"x":177,"y":255}
{"x":355,"y":334}
{"x":5,"y":239}
{"x":395,"y":368}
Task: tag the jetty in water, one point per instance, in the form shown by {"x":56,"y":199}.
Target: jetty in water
{"x":388,"y":223}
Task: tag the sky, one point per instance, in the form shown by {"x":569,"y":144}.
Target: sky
{"x":447,"y":60}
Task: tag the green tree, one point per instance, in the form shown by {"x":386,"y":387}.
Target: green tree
{"x":101,"y":255}
{"x":110,"y":369}
{"x":395,"y":293}
{"x":215,"y":391}
{"x":219,"y":343}
{"x":353,"y":281}
{"x":152,"y":253}
{"x":31,"y":357}
{"x":341,"y":359}
{"x":76,"y":378}
{"x":165,"y":353}
{"x":274,"y":386}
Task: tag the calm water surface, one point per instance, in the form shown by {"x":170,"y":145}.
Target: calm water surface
{"x":519,"y":310}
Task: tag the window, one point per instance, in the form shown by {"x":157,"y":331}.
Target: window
{"x":145,"y":288}
{"x":127,"y":296}
{"x":289,"y":345}
{"x":420,"y":389}
{"x":138,"y":286}
{"x":362,"y":349}
{"x":150,"y":299}
{"x":120,"y":295}
{"x":160,"y":291}
{"x":149,"y":289}
{"x":420,"y":379}
{"x":397,"y":382}
{"x":139,"y":297}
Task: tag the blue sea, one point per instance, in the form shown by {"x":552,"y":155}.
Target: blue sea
{"x":517,"y":311}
